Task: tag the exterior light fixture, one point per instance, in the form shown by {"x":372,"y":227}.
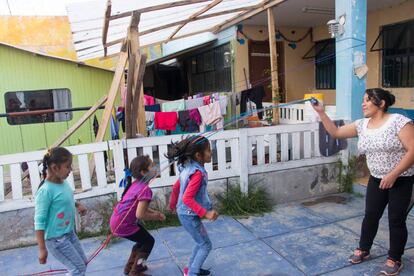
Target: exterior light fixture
{"x":337,"y":27}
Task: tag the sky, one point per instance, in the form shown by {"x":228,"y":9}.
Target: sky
{"x":35,"y":7}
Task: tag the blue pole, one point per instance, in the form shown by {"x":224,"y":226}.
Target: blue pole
{"x":350,"y":53}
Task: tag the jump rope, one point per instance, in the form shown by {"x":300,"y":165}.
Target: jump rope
{"x":150,"y":176}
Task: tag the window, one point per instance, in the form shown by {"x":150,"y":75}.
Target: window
{"x":398,"y":55}
{"x":210,"y":71}
{"x":325,"y":71}
{"x":24,"y":101}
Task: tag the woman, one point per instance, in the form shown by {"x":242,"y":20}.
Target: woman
{"x":387,"y":140}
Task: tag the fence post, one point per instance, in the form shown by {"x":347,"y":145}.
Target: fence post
{"x":244,"y":166}
{"x":119,"y":164}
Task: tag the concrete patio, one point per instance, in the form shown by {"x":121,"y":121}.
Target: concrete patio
{"x":306,"y":238}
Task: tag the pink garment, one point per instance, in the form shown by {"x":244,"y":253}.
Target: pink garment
{"x":195,"y":115}
{"x":211,"y":115}
{"x":206,"y":100}
{"x":123,"y":219}
{"x":148,"y":100}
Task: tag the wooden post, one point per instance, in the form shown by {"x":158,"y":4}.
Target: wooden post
{"x":138,"y":92}
{"x":119,"y":73}
{"x":138,"y":101}
{"x":129,"y":96}
{"x":273,"y":65}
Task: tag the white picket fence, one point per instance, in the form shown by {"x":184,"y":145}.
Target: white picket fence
{"x":236,"y":153}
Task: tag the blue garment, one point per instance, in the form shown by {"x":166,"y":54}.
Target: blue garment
{"x":114,"y":129}
{"x":186,"y":171}
{"x":153,"y":108}
{"x":68,"y":250}
{"x":194,"y":226}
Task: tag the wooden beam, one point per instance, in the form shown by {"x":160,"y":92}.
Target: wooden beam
{"x":273,"y":64}
{"x":237,"y":19}
{"x":159,"y":7}
{"x":106,"y":23}
{"x":195,"y":15}
{"x":210,"y":15}
{"x":119,"y":72}
{"x":138,"y":112}
{"x":169,"y":25}
{"x":129,"y":96}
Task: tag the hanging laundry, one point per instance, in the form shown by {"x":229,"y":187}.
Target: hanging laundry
{"x":95,"y":125}
{"x":256,"y":95}
{"x":177,"y":105}
{"x":120,"y":117}
{"x":153,"y":108}
{"x":211,"y":115}
{"x":207,"y":100}
{"x":223,"y":104}
{"x":194,"y":103}
{"x":165,"y":120}
{"x":148,"y":100}
{"x":186,"y":123}
{"x":198,"y":95}
{"x":195,"y":115}
{"x":114,"y":126}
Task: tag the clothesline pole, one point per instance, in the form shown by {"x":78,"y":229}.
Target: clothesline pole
{"x":273,"y":64}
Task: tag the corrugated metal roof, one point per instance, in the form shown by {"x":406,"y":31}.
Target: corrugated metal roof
{"x":160,"y":21}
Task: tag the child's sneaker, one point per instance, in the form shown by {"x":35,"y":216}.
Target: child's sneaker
{"x":203,"y":272}
{"x":359,"y":256}
{"x":391,"y":267}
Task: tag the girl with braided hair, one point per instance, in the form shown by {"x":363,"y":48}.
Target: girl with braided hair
{"x":190,"y":198}
{"x":55,"y":213}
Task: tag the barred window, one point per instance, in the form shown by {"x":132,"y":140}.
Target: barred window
{"x":325,"y":65}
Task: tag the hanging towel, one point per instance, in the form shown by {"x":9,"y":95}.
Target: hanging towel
{"x":153,"y":108}
{"x":165,"y":120}
{"x":194,"y":103}
{"x":211,"y":115}
{"x":186,"y":123}
{"x":177,"y":105}
{"x":223,"y":104}
{"x":148,"y":100}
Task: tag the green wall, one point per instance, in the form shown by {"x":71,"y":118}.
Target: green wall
{"x":21,"y":71}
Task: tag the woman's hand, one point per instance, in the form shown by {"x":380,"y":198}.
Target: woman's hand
{"x":81,"y":209}
{"x":388,"y":181}
{"x":318,"y":107}
{"x":42,"y":256}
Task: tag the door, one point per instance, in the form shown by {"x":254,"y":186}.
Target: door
{"x":259,"y":67}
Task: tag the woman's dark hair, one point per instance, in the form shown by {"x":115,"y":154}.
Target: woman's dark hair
{"x":58,"y":155}
{"x":187,"y":148}
{"x":138,"y":164}
{"x":376,"y":95}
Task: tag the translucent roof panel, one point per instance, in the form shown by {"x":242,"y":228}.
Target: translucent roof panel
{"x":156,"y":26}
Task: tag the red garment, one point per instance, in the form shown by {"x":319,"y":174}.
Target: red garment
{"x":189,"y":194}
{"x":148,"y":100}
{"x":206,"y":100}
{"x":166,"y":120}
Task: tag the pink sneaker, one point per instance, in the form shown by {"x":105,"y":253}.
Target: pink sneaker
{"x":186,"y":271}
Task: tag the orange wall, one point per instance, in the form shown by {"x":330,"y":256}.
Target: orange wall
{"x":46,"y":34}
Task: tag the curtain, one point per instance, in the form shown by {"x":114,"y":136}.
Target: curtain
{"x":62,"y":100}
